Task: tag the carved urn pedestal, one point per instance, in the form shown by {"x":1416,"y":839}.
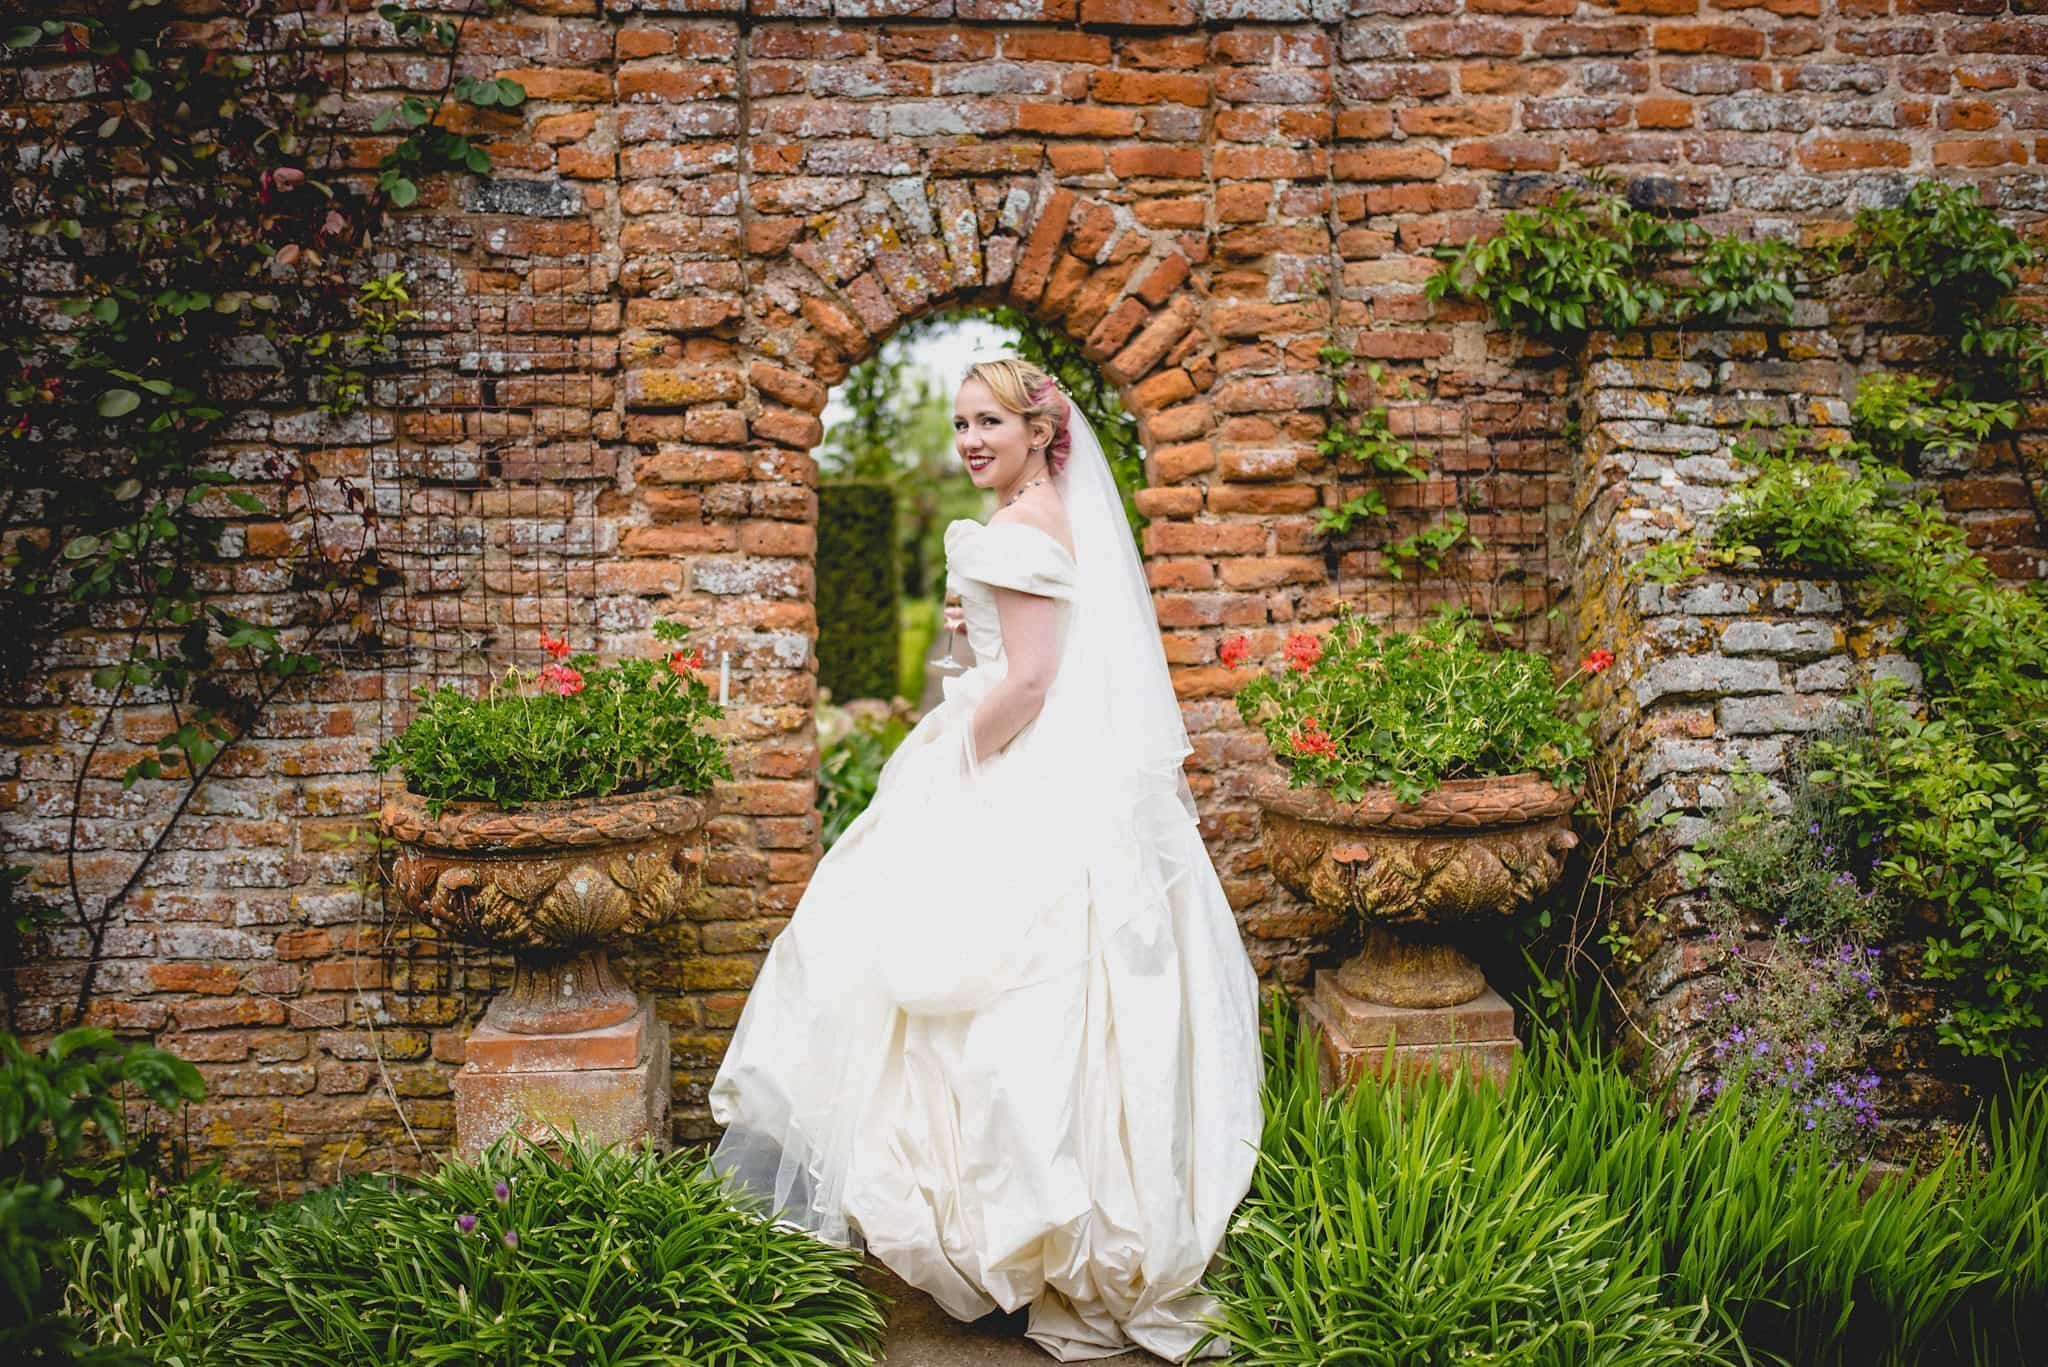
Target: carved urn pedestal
{"x":570,"y":1047}
{"x":1411,"y":873}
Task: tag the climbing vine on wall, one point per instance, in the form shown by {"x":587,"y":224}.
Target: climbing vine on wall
{"x":191,"y":236}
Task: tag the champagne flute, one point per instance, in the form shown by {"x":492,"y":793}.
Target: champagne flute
{"x":946,"y":662}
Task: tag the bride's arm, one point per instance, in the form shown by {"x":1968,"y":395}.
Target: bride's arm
{"x":1030,"y":626}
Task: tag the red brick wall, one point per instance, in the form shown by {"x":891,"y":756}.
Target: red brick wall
{"x":730,"y":211}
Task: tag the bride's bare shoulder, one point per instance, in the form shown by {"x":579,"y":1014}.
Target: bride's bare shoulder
{"x":1047,"y":515}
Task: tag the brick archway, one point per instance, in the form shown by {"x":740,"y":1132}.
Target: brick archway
{"x":833,"y":294}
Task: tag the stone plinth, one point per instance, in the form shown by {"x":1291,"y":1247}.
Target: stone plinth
{"x":1354,"y":1036}
{"x":608,"y":1086}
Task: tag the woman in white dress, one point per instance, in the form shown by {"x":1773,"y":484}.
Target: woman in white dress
{"x":1008,"y":1041}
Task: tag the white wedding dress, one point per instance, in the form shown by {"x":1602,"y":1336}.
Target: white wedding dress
{"x":995,"y":1046}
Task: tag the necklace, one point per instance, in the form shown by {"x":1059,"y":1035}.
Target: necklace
{"x":1021,"y":488}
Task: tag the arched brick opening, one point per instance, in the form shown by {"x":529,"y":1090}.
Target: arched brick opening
{"x":837,"y":293}
{"x":820,"y":301}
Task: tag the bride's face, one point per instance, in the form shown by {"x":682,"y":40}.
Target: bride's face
{"x":992,"y":442}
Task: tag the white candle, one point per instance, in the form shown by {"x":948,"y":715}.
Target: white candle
{"x":724,"y":661}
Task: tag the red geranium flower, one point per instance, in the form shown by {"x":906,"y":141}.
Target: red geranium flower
{"x":1303,"y":650}
{"x":1233,"y":651}
{"x":554,"y":645}
{"x":682,"y":663}
{"x":561,"y":679}
{"x":1310,"y":739}
{"x":1597,"y":661}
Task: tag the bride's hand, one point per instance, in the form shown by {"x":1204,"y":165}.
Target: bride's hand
{"x":956,"y":618}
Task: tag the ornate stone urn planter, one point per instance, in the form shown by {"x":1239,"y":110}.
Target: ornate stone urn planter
{"x":1472,"y":849}
{"x":558,"y":885}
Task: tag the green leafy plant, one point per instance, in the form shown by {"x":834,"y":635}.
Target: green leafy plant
{"x":1946,"y":251}
{"x":1954,"y":805}
{"x":2008,"y":345}
{"x":159,"y":1263}
{"x":1687,"y":557}
{"x":1362,"y":437}
{"x":1418,"y":1223}
{"x":426,"y":146}
{"x":50,"y":1102}
{"x":594,"y":1256}
{"x":1905,"y":419}
{"x":1944,"y":244}
{"x":1793,"y":910}
{"x":1361,"y":706}
{"x":1562,"y":267}
{"x":1436,"y":1220}
{"x":572,"y":729}
{"x":1810,"y":867}
{"x":52,"y":1105}
{"x":1428,"y":546}
{"x":1955,"y":797}
{"x":1558,"y":269}
{"x":1796,"y":1018}
{"x":1738,"y":275}
{"x":1796,"y":510}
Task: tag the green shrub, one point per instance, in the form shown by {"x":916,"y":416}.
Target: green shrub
{"x":1956,"y":800}
{"x":573,"y":729}
{"x":850,"y":768}
{"x":858,"y":588}
{"x":1795,"y":510}
{"x":1810,"y":868}
{"x":1956,"y":804}
{"x":51,"y":1103}
{"x":1398,"y":1227}
{"x":1360,"y":706}
{"x":1944,"y":245}
{"x":1562,"y":1218}
{"x":595,"y":1256}
{"x":1562,"y":267}
{"x":1793,"y":908}
{"x":161,"y":1262}
{"x":1906,"y":418}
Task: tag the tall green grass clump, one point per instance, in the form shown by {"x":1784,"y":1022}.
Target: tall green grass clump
{"x":618,"y":1257}
{"x":1563,"y":1219}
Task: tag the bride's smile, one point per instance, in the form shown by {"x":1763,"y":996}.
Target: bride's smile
{"x":999,"y":447}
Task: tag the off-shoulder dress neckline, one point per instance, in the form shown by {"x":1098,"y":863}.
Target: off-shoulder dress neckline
{"x":1061,"y":546}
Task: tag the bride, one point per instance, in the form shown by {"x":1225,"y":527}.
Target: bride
{"x":1008,"y":1042}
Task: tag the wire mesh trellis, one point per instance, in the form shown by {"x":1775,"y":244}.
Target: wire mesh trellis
{"x":1497,"y":460}
{"x":490,"y":493}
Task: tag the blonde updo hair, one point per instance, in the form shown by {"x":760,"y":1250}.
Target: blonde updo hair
{"x":1030,"y":393}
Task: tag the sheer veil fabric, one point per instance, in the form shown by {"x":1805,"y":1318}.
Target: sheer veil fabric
{"x":1008,"y":1041}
